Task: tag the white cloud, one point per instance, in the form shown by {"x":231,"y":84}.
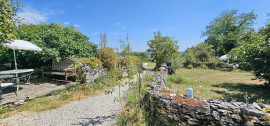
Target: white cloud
{"x":61,"y":12}
{"x":94,"y":33}
{"x":153,"y":30}
{"x":31,"y":15}
{"x":34,"y":16}
{"x":116,"y":33}
{"x":66,"y":23}
{"x":76,"y":25}
{"x":124,"y":27}
{"x":118,"y":24}
{"x":79,"y":6}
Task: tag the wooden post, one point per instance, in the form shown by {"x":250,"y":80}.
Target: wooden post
{"x":65,"y":75}
{"x":139,"y":95}
{"x":42,"y":71}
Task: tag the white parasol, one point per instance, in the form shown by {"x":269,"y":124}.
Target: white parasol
{"x":224,"y":57}
{"x":20,"y":45}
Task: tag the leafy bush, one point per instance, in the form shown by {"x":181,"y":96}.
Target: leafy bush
{"x":175,"y":79}
{"x":142,"y":55}
{"x":255,"y":51}
{"x":92,"y":62}
{"x":129,"y":61}
{"x":177,"y":61}
{"x":189,"y":58}
{"x":108,"y":57}
{"x":203,"y":66}
{"x":202,"y":52}
{"x":9,"y":19}
{"x":190,"y":66}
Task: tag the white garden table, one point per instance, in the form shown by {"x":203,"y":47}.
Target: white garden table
{"x":20,"y":72}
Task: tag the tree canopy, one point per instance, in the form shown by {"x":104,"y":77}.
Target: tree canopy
{"x":200,"y":53}
{"x":162,"y":48}
{"x":57,"y":42}
{"x":8,"y":20}
{"x":255,"y":50}
{"x":224,"y":32}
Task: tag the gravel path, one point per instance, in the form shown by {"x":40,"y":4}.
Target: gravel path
{"x":97,"y":110}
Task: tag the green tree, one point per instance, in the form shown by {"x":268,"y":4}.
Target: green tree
{"x":142,"y":55}
{"x":57,"y":42}
{"x":8,"y":20}
{"x":177,"y":61}
{"x":255,"y":50}
{"x":201,"y":53}
{"x":224,"y":32}
{"x":162,"y":48}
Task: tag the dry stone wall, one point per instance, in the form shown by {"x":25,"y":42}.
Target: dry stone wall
{"x":171,"y":108}
{"x":91,"y":74}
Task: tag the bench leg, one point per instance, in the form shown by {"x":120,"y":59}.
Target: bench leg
{"x":42,"y":72}
{"x":0,"y":92}
{"x":66,"y":76}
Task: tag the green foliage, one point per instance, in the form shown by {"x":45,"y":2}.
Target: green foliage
{"x":57,"y":42}
{"x":142,"y":55}
{"x":177,"y":61}
{"x":201,"y":52}
{"x":255,"y":51}
{"x":203,"y":66}
{"x":92,"y":62}
{"x":129,"y":61}
{"x":224,"y":32}
{"x":133,"y":115}
{"x":162,"y":48}
{"x":175,"y":78}
{"x":8,"y":20}
{"x":108,"y":57}
{"x":190,"y":66}
{"x":189,"y":58}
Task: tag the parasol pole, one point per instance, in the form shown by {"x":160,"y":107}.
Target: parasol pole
{"x":17,"y":79}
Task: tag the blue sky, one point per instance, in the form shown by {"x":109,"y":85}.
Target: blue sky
{"x":184,"y":20}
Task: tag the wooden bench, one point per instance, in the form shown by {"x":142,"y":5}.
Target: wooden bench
{"x":59,"y":68}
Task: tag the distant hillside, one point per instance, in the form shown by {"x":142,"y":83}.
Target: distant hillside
{"x":181,"y":53}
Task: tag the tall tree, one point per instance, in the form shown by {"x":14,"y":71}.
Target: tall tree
{"x":162,"y":48}
{"x":8,"y":20}
{"x":225,"y":31}
{"x":103,"y":40}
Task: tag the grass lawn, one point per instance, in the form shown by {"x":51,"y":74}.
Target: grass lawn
{"x":234,"y":85}
{"x":150,"y":65}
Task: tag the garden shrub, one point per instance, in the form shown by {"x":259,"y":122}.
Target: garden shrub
{"x":108,"y":57}
{"x":175,"y":79}
{"x":203,"y":66}
{"x":190,"y":66}
{"x":142,"y":56}
{"x":92,"y":62}
{"x":129,"y":61}
{"x":177,"y":61}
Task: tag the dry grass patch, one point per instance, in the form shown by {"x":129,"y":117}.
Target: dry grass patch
{"x":150,"y":65}
{"x":234,"y":85}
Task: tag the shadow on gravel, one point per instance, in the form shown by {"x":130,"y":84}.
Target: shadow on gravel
{"x":95,"y":121}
